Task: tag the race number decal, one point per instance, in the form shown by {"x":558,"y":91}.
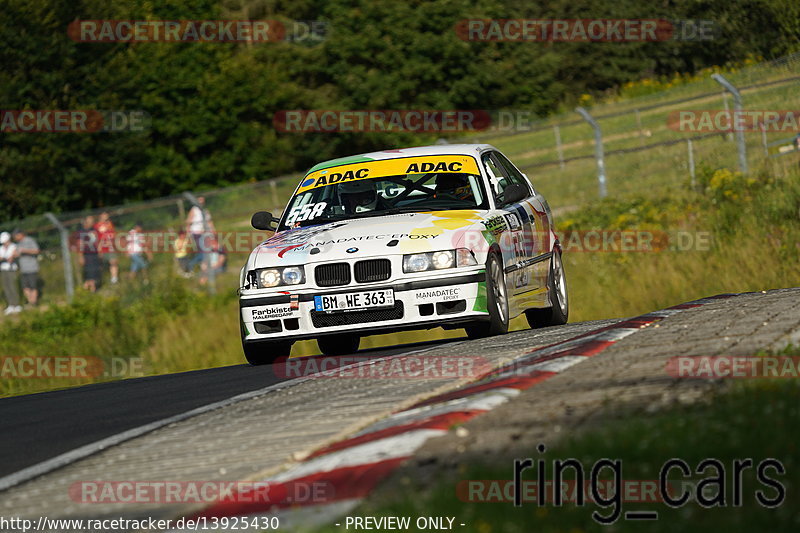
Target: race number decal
{"x":513,"y":221}
{"x":305,"y":212}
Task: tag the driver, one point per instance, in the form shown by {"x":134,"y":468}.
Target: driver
{"x":358,"y":196}
{"x":453,"y":185}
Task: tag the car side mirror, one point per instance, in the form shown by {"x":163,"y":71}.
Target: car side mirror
{"x":514,"y":193}
{"x":263,"y":220}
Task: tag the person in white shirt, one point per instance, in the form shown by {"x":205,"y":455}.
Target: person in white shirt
{"x":9,"y":272}
{"x":137,"y":249}
{"x":28,"y":260}
{"x":198,"y":224}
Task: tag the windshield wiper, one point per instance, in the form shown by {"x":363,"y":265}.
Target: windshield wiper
{"x":391,"y":211}
{"x":408,"y":209}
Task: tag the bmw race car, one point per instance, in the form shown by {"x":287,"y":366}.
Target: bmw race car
{"x":451,"y":236}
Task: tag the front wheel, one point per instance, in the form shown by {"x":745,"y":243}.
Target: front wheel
{"x":339,"y":344}
{"x":558,"y":313}
{"x":496,"y":302}
{"x":265,"y":353}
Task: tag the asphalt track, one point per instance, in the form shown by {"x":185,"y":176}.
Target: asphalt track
{"x":37,"y":427}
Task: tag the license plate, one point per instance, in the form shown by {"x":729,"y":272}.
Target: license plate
{"x":354,"y":300}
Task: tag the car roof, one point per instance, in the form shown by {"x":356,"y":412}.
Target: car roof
{"x":435,"y":149}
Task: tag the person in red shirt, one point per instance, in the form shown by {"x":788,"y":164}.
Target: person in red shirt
{"x":106,"y":244}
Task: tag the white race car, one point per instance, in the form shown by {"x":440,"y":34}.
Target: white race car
{"x":451,"y":236}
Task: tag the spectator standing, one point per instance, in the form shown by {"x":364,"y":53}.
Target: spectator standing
{"x":106,"y":245}
{"x":198,"y":223}
{"x":217,"y":259}
{"x":9,"y":273}
{"x":89,"y":256}
{"x":28,"y":261}
{"x":137,"y":250}
{"x":182,"y":253}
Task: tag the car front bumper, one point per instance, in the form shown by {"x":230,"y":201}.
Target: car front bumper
{"x":420,"y":303}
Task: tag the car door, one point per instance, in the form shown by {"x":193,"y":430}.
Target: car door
{"x":518,"y":240}
{"x":539,"y":239}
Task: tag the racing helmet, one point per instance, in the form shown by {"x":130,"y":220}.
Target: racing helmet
{"x":455,"y":185}
{"x":358,"y":196}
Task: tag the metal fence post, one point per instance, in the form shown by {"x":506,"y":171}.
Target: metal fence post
{"x":181,"y":211}
{"x":559,"y":150}
{"x":598,"y":150}
{"x":737,"y":109}
{"x":69,"y":281}
{"x":212,"y":278}
{"x":690,"y":148}
{"x":639,"y":126}
{"x":274,"y":190}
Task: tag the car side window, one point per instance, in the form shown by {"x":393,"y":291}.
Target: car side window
{"x":515,"y":176}
{"x":498,"y":176}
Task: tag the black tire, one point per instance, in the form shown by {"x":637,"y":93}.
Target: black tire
{"x":557,"y":314}
{"x":266,"y":352}
{"x":496,"y":302}
{"x":344,"y":344}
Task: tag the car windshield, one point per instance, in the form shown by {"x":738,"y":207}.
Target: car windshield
{"x":386,"y":195}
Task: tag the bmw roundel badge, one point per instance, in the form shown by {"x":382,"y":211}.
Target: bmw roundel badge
{"x":351,"y":250}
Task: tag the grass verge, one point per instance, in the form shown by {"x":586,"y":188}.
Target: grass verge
{"x":738,"y":234}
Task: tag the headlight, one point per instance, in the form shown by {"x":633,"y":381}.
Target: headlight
{"x":416,"y":263}
{"x":442,"y":259}
{"x":292,"y":275}
{"x":270,"y":277}
{"x":438,"y":260}
{"x":274,"y":277}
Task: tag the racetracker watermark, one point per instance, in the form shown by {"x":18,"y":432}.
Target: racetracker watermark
{"x":183,"y":492}
{"x":70,"y":367}
{"x":406,"y":120}
{"x":401,"y":367}
{"x":72,"y":121}
{"x":510,"y":237}
{"x":736,"y":367}
{"x":171,"y":242}
{"x":708,"y":120}
{"x":508,"y":233}
{"x":192,"y":31}
{"x":585,"y":30}
{"x":381,"y":120}
{"x":635,"y":241}
{"x":502,"y":490}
